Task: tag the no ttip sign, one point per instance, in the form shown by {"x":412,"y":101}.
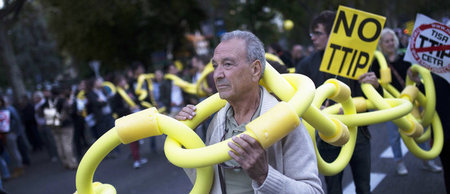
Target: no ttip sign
{"x":430,"y":46}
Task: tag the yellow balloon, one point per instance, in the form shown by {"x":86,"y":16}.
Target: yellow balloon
{"x":288,"y":25}
{"x":193,"y":88}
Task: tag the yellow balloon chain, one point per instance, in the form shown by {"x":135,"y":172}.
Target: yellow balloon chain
{"x":125,"y":97}
{"x":400,"y":110}
{"x":300,"y":99}
{"x":148,"y":123}
{"x":417,"y":98}
{"x":142,"y":94}
{"x":193,"y":88}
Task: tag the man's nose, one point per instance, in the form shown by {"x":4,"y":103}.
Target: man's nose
{"x":218,"y":72}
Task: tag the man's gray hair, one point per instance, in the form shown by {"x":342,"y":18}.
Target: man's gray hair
{"x":255,"y":48}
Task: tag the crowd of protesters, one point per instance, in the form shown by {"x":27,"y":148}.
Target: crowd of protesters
{"x":64,"y":120}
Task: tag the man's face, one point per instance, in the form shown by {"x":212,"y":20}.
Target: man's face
{"x":98,"y":83}
{"x":47,"y":93}
{"x":197,"y":64}
{"x":159,"y":75}
{"x":319,"y":37}
{"x":194,"y":62}
{"x":123,"y":83}
{"x":173,"y":69}
{"x":82,"y":85}
{"x":297,"y":51}
{"x":36,"y":99}
{"x":233,"y":74}
{"x":139,"y":70}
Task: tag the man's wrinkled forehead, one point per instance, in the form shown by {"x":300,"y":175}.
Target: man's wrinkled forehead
{"x":230,"y":49}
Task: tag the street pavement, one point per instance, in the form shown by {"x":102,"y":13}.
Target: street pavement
{"x":160,"y":176}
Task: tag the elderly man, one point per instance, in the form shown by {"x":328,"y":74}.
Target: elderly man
{"x":288,"y":166}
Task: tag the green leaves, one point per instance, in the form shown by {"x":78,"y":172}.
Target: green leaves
{"x":119,"y":32}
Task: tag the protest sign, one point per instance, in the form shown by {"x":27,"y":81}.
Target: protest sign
{"x":430,"y":46}
{"x":352,"y":42}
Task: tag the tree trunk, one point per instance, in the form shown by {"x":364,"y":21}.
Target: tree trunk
{"x":8,"y":60}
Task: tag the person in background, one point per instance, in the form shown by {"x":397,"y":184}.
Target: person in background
{"x":27,"y":113}
{"x":44,"y":131}
{"x":158,"y":84}
{"x":161,"y":93}
{"x":138,"y":69}
{"x":297,"y":53}
{"x":176,"y":94}
{"x":56,"y":113}
{"x":285,"y":56}
{"x":442,"y":88}
{"x":309,"y":50}
{"x":27,"y":121}
{"x":198,"y":63}
{"x":99,"y":110}
{"x":78,"y":114}
{"x":98,"y":105}
{"x":15,"y":132}
{"x":4,"y":176}
{"x":122,"y":107}
{"x":388,"y":44}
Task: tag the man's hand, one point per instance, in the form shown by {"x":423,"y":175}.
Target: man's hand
{"x":369,"y":78}
{"x":414,"y":76}
{"x":251,"y":156}
{"x":188,"y":112}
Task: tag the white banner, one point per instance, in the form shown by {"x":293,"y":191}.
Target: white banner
{"x":5,"y":120}
{"x":430,"y":46}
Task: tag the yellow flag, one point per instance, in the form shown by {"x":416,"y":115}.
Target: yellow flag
{"x":352,"y":42}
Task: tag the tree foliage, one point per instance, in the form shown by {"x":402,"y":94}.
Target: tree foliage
{"x":118,"y":32}
{"x":34,"y":47}
{"x":8,"y":16}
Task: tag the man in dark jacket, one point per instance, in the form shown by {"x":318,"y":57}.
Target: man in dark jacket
{"x":98,"y":105}
{"x":360,"y":161}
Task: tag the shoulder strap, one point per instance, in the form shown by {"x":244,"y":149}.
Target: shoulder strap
{"x":222,"y":180}
{"x":125,"y":97}
{"x":397,"y":75}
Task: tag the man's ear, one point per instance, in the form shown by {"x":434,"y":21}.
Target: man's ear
{"x":256,"y":69}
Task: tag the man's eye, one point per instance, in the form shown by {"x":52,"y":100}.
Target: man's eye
{"x":227,"y":64}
